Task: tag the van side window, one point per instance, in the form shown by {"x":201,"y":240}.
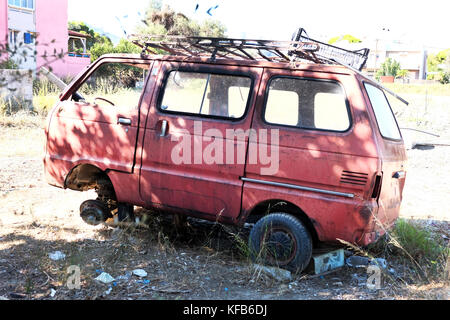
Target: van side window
{"x":308,"y":104}
{"x":119,"y":83}
{"x":383,"y":112}
{"x":206,"y":94}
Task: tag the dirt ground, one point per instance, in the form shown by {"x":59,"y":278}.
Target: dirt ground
{"x":199,"y":262}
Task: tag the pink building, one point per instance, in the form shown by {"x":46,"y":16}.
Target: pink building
{"x":41,"y":26}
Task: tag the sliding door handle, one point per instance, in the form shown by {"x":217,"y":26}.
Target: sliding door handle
{"x":124,"y":121}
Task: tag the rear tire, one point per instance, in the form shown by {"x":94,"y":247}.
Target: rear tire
{"x":281,"y":240}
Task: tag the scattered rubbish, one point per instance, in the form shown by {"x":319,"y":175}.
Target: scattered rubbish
{"x":379,"y":262}
{"x":105,"y":278}
{"x":363,"y":262}
{"x":276,"y":273}
{"x":140,"y":273}
{"x":57,"y":255}
{"x":146,"y":281}
{"x":357,"y":261}
{"x":52,"y":293}
{"x":328,"y":261}
{"x":107,"y":292}
{"x":360,"y":279}
{"x":169,"y":290}
{"x":14,"y":295}
{"x":99,"y":271}
{"x":339,"y":284}
{"x":3,"y":298}
{"x":125,"y":277}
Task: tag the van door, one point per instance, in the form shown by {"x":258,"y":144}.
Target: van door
{"x":392,"y":155}
{"x":195,"y":139}
{"x":99,"y":124}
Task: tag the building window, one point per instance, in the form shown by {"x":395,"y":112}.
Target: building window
{"x":28,"y":38}
{"x":25,"y":4}
{"x":13,"y":37}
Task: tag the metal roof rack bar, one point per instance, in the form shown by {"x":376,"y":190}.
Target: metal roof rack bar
{"x":303,"y":48}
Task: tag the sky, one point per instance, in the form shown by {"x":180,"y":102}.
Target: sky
{"x":419,"y":22}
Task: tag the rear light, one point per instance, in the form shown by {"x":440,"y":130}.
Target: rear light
{"x":377,"y":187}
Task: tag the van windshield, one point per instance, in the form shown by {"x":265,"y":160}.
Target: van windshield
{"x":383,"y":112}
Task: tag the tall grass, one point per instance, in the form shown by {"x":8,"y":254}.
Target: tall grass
{"x":435,"y":89}
{"x":423,"y":252}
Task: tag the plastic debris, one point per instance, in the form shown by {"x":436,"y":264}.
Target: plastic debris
{"x":363,"y":262}
{"x":276,"y":273}
{"x":52,"y":293}
{"x":357,"y":261}
{"x":379,"y":262}
{"x":125,"y":277}
{"x":140,"y":273}
{"x":105,"y":278}
{"x":107,"y":292}
{"x":57,"y":255}
{"x":146,"y":281}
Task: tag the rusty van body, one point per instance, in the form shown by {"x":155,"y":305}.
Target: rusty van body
{"x":340,"y":168}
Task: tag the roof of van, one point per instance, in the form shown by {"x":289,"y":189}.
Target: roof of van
{"x":305,"y":66}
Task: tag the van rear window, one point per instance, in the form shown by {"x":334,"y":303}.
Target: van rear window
{"x":383,"y":112}
{"x":308,"y":104}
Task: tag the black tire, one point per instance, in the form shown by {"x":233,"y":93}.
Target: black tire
{"x":281,"y":240}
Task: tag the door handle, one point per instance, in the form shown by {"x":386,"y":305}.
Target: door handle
{"x":164,"y":128}
{"x":124,"y":121}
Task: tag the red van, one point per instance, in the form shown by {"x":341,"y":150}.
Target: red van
{"x":273,"y":134}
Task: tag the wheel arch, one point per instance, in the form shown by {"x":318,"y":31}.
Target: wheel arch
{"x":85,"y":176}
{"x":267,"y":207}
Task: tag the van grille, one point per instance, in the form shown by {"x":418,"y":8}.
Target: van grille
{"x":354,"y":178}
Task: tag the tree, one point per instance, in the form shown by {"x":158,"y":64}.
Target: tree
{"x":124,"y":46}
{"x":347,"y":37}
{"x":94,"y":37}
{"x":163,"y":20}
{"x":439,"y":66}
{"x":389,"y":67}
{"x":402,"y":74}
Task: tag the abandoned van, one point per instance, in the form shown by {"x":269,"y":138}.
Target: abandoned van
{"x":280,"y":135}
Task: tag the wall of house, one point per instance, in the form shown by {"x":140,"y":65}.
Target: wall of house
{"x":76,"y":64}
{"x":51,"y":26}
{"x":22,"y":20}
{"x":3,"y":28}
{"x":16,"y":87}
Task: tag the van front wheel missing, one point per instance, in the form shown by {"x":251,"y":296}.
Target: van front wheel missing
{"x":281,"y":240}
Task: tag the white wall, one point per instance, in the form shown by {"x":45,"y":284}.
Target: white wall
{"x":23,"y":21}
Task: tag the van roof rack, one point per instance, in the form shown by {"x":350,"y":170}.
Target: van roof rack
{"x":301,"y":48}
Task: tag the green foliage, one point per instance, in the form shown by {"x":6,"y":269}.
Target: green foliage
{"x":439,"y":66}
{"x":347,"y":37}
{"x":94,"y":37}
{"x":8,"y":64}
{"x":402,"y":73}
{"x":417,"y":241}
{"x":123,"y":46}
{"x":162,"y":20}
{"x":389,"y":67}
